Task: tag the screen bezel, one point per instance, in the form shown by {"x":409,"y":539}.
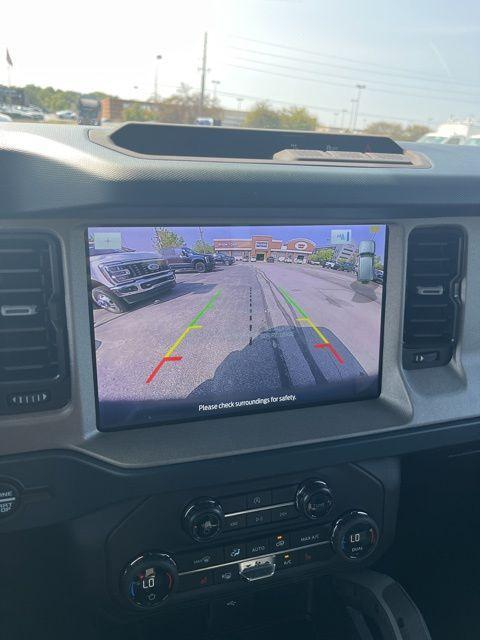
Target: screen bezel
{"x":252,"y":411}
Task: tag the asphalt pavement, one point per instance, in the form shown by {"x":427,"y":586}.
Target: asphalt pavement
{"x":242,"y":332}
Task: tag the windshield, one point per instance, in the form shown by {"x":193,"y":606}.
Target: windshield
{"x":379,"y":67}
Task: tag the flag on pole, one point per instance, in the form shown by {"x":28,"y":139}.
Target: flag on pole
{"x":9,"y":59}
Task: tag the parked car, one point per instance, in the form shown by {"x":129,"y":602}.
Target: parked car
{"x":378,"y":276}
{"x":345,"y":266}
{"x":222,"y":258}
{"x":120,"y":277}
{"x":186,"y":259}
{"x":253,"y":259}
{"x":66,"y":114}
{"x":288,"y":260}
{"x":270,"y":259}
{"x":329,"y":264}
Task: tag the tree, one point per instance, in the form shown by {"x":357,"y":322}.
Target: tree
{"x":51,"y":100}
{"x":138,"y":113}
{"x":323,"y":255}
{"x":164,"y":238}
{"x":183,"y":107}
{"x":384,"y":128}
{"x":203,"y":247}
{"x":378,"y":263}
{"x":262,"y":116}
{"x":298,"y":118}
{"x":397,"y":131}
{"x":414,"y":132}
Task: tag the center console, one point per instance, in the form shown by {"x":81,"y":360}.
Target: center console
{"x":177,"y":547}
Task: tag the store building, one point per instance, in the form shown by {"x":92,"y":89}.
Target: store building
{"x":262,"y":247}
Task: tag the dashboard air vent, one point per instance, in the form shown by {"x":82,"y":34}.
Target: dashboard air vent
{"x":432,"y":298}
{"x":33,"y":351}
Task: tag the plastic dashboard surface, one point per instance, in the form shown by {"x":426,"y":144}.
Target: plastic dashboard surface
{"x":55,"y":178}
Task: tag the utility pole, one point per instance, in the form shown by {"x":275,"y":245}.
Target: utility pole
{"x":204,"y":73}
{"x":215,"y":86}
{"x":200,"y":229}
{"x":155,"y":94}
{"x":360,"y":88}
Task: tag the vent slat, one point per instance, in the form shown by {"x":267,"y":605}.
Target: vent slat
{"x":29,"y":304}
{"x":434,"y":267}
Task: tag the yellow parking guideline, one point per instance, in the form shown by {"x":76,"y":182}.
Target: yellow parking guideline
{"x":181,"y":339}
{"x":314,"y":327}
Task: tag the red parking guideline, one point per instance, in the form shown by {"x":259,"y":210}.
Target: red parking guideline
{"x":160,"y":365}
{"x":331,"y":348}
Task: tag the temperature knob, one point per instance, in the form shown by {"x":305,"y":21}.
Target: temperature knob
{"x":355,"y":536}
{"x":314,"y":499}
{"x":203,"y":519}
{"x":149,"y":580}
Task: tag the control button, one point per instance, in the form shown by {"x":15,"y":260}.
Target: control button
{"x":355,"y":536}
{"x":259,"y":499}
{"x":308,"y":536}
{"x":203,"y":519}
{"x":198,"y":580}
{"x":234,"y":552}
{"x":199,"y":559}
{"x":284,"y":513}
{"x":227,"y":575}
{"x":9,"y":499}
{"x":426,"y":357}
{"x":322,"y":553}
{"x":258,"y":518}
{"x":279,"y":542}
{"x":284,"y":494}
{"x":233,"y":504}
{"x":149,"y":580}
{"x":28,"y":399}
{"x":257,"y":548}
{"x":232,"y":523}
{"x":258,"y":569}
{"x":287,"y":560}
{"x":314,"y":499}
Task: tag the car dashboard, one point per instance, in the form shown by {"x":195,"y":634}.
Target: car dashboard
{"x":214,"y":503}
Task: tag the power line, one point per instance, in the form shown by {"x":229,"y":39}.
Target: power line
{"x":345,"y":59}
{"x":349,"y":86}
{"x":336,"y":66}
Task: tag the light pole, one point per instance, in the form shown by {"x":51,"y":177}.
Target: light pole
{"x":239,"y":102}
{"x":360,"y":88}
{"x":155,"y":94}
{"x":215,"y":87}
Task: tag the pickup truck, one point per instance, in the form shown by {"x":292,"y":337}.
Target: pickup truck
{"x":121,"y":277}
{"x":185,"y":259}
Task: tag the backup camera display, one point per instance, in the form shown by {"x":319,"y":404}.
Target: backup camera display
{"x":196,"y":322}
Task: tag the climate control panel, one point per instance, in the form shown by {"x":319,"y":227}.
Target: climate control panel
{"x":150,"y":579}
{"x":174,"y":547}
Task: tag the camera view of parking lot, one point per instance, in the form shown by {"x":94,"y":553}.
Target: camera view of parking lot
{"x":199,"y":321}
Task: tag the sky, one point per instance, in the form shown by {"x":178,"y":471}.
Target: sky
{"x":418,"y":59}
{"x":140,"y":238}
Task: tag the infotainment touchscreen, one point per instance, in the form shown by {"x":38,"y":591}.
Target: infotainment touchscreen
{"x":196,"y":322}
